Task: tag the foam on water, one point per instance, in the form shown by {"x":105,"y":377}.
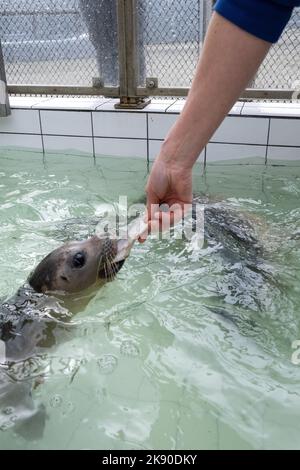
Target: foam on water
{"x":151,"y":363}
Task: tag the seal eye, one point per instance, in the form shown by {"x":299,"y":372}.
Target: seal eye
{"x":79,"y":260}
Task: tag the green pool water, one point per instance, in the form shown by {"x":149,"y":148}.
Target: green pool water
{"x":149,"y":364}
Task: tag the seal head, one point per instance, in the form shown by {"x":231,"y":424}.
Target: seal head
{"x":76,"y":266}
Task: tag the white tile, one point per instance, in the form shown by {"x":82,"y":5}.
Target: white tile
{"x":116,"y":124}
{"x":109,"y":105}
{"x":121,"y":147}
{"x":285,"y":132}
{"x":177,"y":107}
{"x":159,"y":106}
{"x":77,"y":123}
{"x":155,"y":146}
{"x":228,"y":152}
{"x":25,"y":102}
{"x":24,"y":141}
{"x":71,"y":103}
{"x":271,"y":109}
{"x":21,"y":121}
{"x":237,"y":108}
{"x":284,"y":153}
{"x":242,"y":130}
{"x":272,"y":104}
{"x":68,"y":145}
{"x":160,"y":124}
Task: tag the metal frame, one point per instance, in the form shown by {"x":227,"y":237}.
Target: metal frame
{"x":128,"y":56}
{"x":110,"y":92}
{"x":4,"y":100}
{"x":248,"y":93}
{"x":131,"y":95}
{"x":141,"y":93}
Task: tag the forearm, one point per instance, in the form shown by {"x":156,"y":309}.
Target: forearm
{"x":229,"y":60}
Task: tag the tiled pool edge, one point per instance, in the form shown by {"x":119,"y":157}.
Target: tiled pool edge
{"x":92,"y":126}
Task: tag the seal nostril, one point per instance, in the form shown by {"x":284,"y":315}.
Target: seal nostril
{"x":64,"y":278}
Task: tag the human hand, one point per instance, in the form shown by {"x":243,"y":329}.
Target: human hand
{"x":169,"y":185}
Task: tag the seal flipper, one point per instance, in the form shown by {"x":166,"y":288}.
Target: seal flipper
{"x":18,"y":410}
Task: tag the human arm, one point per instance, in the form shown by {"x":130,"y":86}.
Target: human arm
{"x":229,"y":60}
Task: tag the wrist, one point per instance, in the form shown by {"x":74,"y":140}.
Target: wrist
{"x":173,"y":157}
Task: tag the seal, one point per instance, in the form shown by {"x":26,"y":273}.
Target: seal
{"x":37,"y":317}
{"x":76,"y":266}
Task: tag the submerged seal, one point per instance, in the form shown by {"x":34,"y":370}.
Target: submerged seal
{"x":66,"y":280}
{"x":38,"y":314}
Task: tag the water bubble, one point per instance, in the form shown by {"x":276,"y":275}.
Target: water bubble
{"x":8,"y":410}
{"x":128,"y":348}
{"x":107,"y":363}
{"x":5,"y":426}
{"x":68,"y":409}
{"x":56,"y":401}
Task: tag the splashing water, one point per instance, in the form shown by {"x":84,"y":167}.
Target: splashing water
{"x":178,"y":351}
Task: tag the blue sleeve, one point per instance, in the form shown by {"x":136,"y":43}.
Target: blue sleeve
{"x":265,"y":19}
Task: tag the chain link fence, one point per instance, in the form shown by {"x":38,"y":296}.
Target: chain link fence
{"x":69,"y":42}
{"x":173,"y":35}
{"x":58,"y":42}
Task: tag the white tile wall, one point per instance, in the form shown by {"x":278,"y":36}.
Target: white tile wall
{"x":160,"y":124}
{"x":223,"y":152}
{"x":24,"y":141}
{"x":159,"y":106}
{"x":115,"y":124}
{"x":155,"y":146}
{"x":69,"y":145}
{"x":242,"y":131}
{"x":25,"y":102}
{"x":21,"y":121}
{"x":271,"y":109}
{"x":178,"y":106}
{"x":278,"y":104}
{"x":68,"y":123}
{"x":71,"y":103}
{"x":109,"y":106}
{"x":67,"y":127}
{"x":284,"y":153}
{"x":237,"y":108}
{"x":285,"y":132}
{"x":121,"y":147}
{"x":233,"y":129}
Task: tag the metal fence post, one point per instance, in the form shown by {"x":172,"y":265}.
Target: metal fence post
{"x":128,"y":56}
{"x":4,"y":100}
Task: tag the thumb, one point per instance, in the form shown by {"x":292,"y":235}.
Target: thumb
{"x":152,"y":205}
{"x":151,"y":209}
